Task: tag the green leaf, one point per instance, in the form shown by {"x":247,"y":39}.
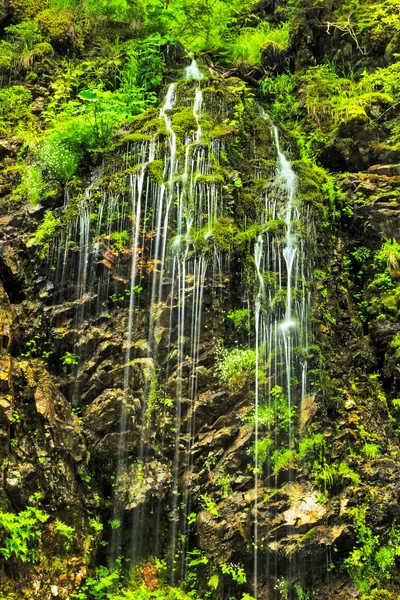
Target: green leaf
{"x":213,"y":582}
{"x":88,"y":96}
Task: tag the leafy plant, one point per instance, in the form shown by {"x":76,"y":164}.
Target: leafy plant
{"x":69,"y":359}
{"x":312,"y":448}
{"x":32,"y":184}
{"x":371,"y":563}
{"x":283,"y":459}
{"x":262,"y":450}
{"x":209,"y":505}
{"x":239,"y":318}
{"x":235,"y":571}
{"x":15,"y":107}
{"x":248,"y":46}
{"x":20,"y":534}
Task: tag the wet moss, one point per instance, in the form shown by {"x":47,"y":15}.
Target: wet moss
{"x":183,"y":121}
{"x":156,"y":171}
{"x":315,"y":187}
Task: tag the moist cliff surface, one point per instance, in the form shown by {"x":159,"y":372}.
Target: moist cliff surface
{"x":199,"y":301}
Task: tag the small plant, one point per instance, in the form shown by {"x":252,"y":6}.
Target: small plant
{"x":45,"y":233}
{"x":235,"y":571}
{"x":69,"y":359}
{"x":371,"y":451}
{"x":15,"y":418}
{"x":283,"y":459}
{"x":283,"y":587}
{"x":262,"y":450}
{"x":65,"y":530}
{"x":196,"y":557}
{"x":32,"y":184}
{"x":96,"y":525}
{"x":239,"y":318}
{"x":57,"y":160}
{"x":312,"y":448}
{"x":86,"y":479}
{"x":119,"y":239}
{"x":209,"y":505}
{"x":192,"y":518}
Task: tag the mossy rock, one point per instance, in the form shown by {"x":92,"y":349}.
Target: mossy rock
{"x":312,"y":180}
{"x":61,"y":27}
{"x":26,"y":9}
{"x":183,"y":121}
{"x":273,"y":56}
{"x":156,"y":171}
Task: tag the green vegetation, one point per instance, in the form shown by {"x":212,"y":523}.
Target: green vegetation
{"x":45,"y":233}
{"x":236,"y":363}
{"x":20,"y":534}
{"x":82,"y":79}
{"x":372,"y":563}
{"x":248,"y":47}
{"x":14,"y":107}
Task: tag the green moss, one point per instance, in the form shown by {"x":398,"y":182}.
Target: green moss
{"x":244,"y":240}
{"x":312,"y":448}
{"x":215,"y":178}
{"x":277,"y":227}
{"x":61,"y":26}
{"x":26,"y":9}
{"x":224,"y":234}
{"x":315,"y":187}
{"x":156,"y":171}
{"x":183,"y":121}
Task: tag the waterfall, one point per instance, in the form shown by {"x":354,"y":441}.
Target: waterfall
{"x":145,"y":252}
{"x":193,"y":71}
{"x":281,"y":329}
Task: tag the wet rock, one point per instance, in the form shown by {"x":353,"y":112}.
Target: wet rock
{"x":377,"y":220}
{"x":38,"y":105}
{"x":389,"y":170}
{"x":54,"y":408}
{"x":102,"y":423}
{"x":139,"y":481}
{"x":6,"y":148}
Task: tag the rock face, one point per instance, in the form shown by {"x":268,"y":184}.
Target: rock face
{"x":4,"y":10}
{"x":89,"y":416}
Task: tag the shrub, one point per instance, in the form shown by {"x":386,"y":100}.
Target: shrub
{"x":237,"y":361}
{"x":57,"y":160}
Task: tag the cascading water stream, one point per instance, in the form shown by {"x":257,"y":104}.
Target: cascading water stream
{"x":197,"y":112}
{"x":281,"y":321}
{"x":193,"y":71}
